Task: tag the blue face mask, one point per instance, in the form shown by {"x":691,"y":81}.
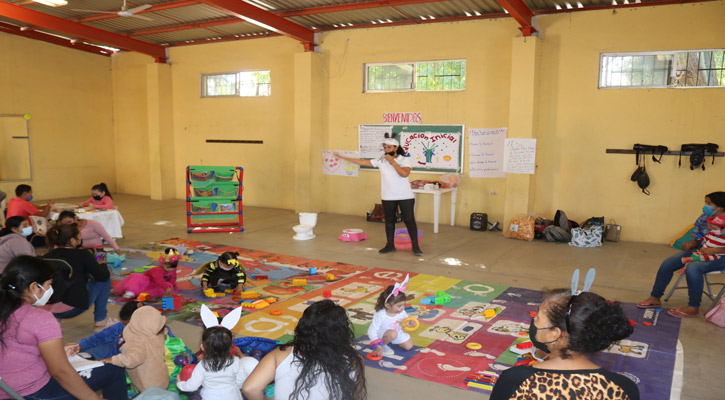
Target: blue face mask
{"x":30,"y":198}
{"x":27,"y":231}
{"x":708,"y":209}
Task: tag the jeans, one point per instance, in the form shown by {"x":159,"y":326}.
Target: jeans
{"x":108,"y":378}
{"x":695,"y":275}
{"x":98,"y":293}
{"x":406,"y":209}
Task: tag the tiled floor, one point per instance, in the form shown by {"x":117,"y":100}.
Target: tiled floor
{"x":625,"y":272}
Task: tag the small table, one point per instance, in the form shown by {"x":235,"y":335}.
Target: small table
{"x":437,"y":203}
{"x":111,"y":220}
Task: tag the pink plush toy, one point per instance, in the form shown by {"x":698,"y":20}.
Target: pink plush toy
{"x":352,"y":235}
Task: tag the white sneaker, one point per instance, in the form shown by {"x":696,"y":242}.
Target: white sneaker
{"x":129,"y":295}
{"x":387,"y":351}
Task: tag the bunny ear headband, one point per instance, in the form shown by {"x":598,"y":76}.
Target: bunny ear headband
{"x":398,"y":287}
{"x":587,"y":281}
{"x":229,"y":321}
{"x":172,"y":256}
{"x":390,"y":139}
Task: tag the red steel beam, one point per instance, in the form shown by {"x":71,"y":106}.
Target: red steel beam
{"x":31,"y":34}
{"x":521,"y":13}
{"x":75,"y":29}
{"x":265,"y":19}
{"x":155,"y":7}
{"x":352,"y":7}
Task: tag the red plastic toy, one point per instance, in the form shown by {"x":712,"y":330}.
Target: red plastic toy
{"x":259,"y":277}
{"x":185,"y":373}
{"x":524,"y":345}
{"x":327,"y":294}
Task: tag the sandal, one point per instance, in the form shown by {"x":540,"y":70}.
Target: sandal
{"x":677,"y":312}
{"x":648,"y":304}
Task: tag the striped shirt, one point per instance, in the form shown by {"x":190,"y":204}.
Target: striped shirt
{"x":711,"y":241}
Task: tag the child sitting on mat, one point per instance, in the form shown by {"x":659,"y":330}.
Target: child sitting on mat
{"x":715,"y":238}
{"x":385,"y":328}
{"x":156,"y":282}
{"x":225,"y":270}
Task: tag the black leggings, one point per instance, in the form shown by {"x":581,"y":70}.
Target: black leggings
{"x":406,"y":208}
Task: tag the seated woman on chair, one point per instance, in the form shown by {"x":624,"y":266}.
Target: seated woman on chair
{"x":696,"y":270}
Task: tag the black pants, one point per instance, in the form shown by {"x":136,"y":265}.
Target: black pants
{"x":406,"y":209}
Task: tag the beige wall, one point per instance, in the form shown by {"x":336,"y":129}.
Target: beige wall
{"x":69,"y":98}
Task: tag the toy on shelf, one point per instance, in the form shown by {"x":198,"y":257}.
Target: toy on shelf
{"x":352,"y":235}
{"x":299,"y":282}
{"x":214,"y":199}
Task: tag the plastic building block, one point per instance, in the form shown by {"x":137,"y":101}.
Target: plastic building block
{"x":524,"y":345}
{"x":313,"y":271}
{"x":249,"y":295}
{"x":299,"y":282}
{"x":167,"y":303}
{"x":442,"y":298}
{"x":142,"y":297}
{"x":428,"y":300}
{"x":229,"y":291}
{"x":532,"y":314}
{"x":259,"y":277}
{"x":327,"y":294}
{"x":209,"y":293}
{"x":329,"y":277}
{"x":647,"y":323}
{"x":270,"y":300}
{"x":489,"y":313}
{"x":259,"y":304}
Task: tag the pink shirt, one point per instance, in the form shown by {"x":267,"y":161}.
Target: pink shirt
{"x":21,"y":364}
{"x":93,"y":232}
{"x":21,"y":207}
{"x":106,"y":203}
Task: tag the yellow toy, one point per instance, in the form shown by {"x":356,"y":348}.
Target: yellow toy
{"x":142,"y":297}
{"x":299,"y":282}
{"x":229,"y":291}
{"x":249,"y":295}
{"x":409,"y":328}
{"x":489,"y":313}
{"x":329,"y":277}
{"x":259,"y":304}
{"x":209,"y":293}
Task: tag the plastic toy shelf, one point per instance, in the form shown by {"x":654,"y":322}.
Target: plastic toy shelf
{"x":214,"y":199}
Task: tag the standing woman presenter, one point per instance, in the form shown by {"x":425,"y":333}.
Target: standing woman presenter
{"x":395,"y":190}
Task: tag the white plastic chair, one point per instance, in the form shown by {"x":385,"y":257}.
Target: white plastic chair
{"x":708,"y":286}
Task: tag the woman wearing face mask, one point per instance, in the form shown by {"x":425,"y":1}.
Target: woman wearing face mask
{"x":571,"y":328}
{"x":395,"y":190}
{"x":92,"y":232}
{"x":13,"y":240}
{"x":89,"y":283}
{"x":33,"y":360}
{"x":695,"y":271}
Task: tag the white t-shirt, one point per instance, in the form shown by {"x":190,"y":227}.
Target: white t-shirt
{"x":392,"y":185}
{"x":383,"y":322}
{"x":224,"y":384}
{"x":285,"y":376}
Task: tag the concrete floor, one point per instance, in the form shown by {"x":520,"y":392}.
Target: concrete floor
{"x":625,"y":272}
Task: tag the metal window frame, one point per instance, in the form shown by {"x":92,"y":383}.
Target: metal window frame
{"x":203,"y":87}
{"x":672,"y":73}
{"x":239,"y":93}
{"x":414,"y":79}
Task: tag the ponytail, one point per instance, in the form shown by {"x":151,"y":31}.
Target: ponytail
{"x":101,"y":187}
{"x":12,"y":222}
{"x":60,"y":235}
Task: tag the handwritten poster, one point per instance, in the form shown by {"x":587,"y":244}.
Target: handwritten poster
{"x":370,"y":139}
{"x":519,"y":156}
{"x":333,"y":165}
{"x":485,"y":152}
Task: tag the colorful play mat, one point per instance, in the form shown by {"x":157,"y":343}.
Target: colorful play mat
{"x":649,"y":357}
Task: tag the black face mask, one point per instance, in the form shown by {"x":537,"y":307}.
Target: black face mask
{"x":392,"y":154}
{"x":532,"y":335}
{"x":99,"y":198}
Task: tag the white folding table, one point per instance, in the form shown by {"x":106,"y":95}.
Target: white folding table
{"x":437,"y":203}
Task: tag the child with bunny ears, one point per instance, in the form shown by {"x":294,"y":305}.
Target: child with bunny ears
{"x":220,"y":374}
{"x":385,"y":328}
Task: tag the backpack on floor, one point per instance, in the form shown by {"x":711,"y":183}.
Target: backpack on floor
{"x":553,"y":233}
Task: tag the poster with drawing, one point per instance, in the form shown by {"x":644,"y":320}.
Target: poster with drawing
{"x":519,"y":156}
{"x":485,"y":152}
{"x":432,"y":148}
{"x":333,"y":165}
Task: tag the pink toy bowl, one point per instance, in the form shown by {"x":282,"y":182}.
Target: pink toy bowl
{"x":352,"y":235}
{"x":402,"y":239}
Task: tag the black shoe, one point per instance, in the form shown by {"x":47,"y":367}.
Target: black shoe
{"x":417,"y":252}
{"x":389,"y":248}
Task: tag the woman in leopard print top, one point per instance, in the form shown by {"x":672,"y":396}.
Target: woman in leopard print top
{"x":571,"y":328}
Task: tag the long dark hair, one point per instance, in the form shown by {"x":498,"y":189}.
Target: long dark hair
{"x":217,"y":346}
{"x":380,"y":305}
{"x":101,"y":187}
{"x":66,"y":214}
{"x":10,"y":223}
{"x":593,"y":322}
{"x":717,"y":198}
{"x":20,"y":273}
{"x":323,"y":345}
{"x":60,"y":235}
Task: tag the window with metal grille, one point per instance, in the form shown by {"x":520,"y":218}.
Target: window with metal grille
{"x":415,"y":76}
{"x":244,"y":84}
{"x":662,"y":69}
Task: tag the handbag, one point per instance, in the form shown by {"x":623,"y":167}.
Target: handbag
{"x":611,"y":232}
{"x":716,"y":315}
{"x":591,"y":237}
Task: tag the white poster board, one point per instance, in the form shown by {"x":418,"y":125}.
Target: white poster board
{"x":485,"y":152}
{"x":519,"y":156}
{"x":333,"y":165}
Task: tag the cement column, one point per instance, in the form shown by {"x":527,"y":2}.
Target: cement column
{"x":160,"y":131}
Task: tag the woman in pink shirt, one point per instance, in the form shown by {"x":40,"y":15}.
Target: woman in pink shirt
{"x":33,"y":359}
{"x":100,"y":198}
{"x":92,"y":232}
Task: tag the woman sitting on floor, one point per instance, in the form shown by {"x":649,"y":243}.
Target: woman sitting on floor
{"x":570,"y":328}
{"x":92,"y":232}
